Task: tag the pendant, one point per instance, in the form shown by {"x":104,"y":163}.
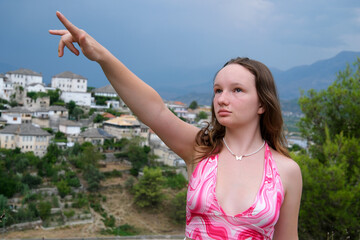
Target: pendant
{"x":238,"y":157}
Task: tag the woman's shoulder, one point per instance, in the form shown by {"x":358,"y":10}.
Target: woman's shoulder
{"x":198,"y":159}
{"x":289,"y":170}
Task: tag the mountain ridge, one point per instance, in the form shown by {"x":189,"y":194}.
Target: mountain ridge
{"x":318,"y":75}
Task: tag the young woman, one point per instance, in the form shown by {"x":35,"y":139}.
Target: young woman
{"x":242,"y":183}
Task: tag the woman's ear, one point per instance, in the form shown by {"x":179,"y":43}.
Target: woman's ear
{"x":261,"y":109}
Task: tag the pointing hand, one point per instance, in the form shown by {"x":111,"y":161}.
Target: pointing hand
{"x":89,"y":46}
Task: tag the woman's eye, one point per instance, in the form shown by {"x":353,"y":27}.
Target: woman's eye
{"x":237,"y":90}
{"x":217,"y":90}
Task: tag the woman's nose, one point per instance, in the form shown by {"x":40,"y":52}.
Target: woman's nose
{"x":223,"y":99}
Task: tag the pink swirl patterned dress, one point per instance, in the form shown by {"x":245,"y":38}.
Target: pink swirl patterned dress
{"x":205,"y":219}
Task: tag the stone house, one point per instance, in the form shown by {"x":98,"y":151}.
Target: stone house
{"x":106,"y":91}
{"x":96,"y":136}
{"x":40,"y":102}
{"x":27,"y":137}
{"x":17,"y":115}
{"x":127,"y":126}
{"x":24,"y":77}
{"x":70,"y":128}
{"x":49,"y":116}
{"x":69,"y":82}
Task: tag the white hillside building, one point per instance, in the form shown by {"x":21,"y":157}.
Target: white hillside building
{"x":6,"y":88}
{"x":106,"y":91}
{"x":36,"y":87}
{"x":69,"y":82}
{"x":80,"y":98}
{"x":24,"y":77}
{"x":178,"y":107}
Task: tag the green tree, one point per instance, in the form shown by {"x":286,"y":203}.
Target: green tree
{"x":71,"y":106}
{"x":336,"y":108}
{"x":9,"y":184}
{"x":91,"y":154}
{"x":3,"y":203}
{"x":44,"y":209}
{"x":148,"y":190}
{"x":201,"y":115}
{"x":63,"y":188}
{"x":331,"y":191}
{"x":71,"y":179}
{"x":31,"y":181}
{"x":35,"y":95}
{"x":193,"y":105}
{"x":54,"y":96}
{"x":177,"y":209}
{"x":138,"y":156}
{"x":174,"y":180}
{"x":93,"y":177}
{"x":53,"y":153}
{"x":77,"y":112}
{"x":99,"y":119}
{"x":331,"y":186}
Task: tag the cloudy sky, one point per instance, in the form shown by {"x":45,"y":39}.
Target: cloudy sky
{"x":172,"y":42}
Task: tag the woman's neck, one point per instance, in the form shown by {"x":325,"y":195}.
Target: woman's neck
{"x":243,"y":140}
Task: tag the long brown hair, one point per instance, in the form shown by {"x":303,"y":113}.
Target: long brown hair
{"x":209,"y":138}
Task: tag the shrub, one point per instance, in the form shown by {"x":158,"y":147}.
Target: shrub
{"x":148,"y":190}
{"x":44,"y":209}
{"x":69,"y":213}
{"x":125,"y":230}
{"x":63,"y":188}
{"x":113,"y":173}
{"x":178,"y":208}
{"x":31,"y":181}
{"x":174,"y":180}
{"x":109,"y":221}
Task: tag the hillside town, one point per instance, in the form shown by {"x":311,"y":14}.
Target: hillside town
{"x":23,"y":125}
{"x":67,"y":113}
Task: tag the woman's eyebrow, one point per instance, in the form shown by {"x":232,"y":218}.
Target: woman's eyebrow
{"x":235,"y":84}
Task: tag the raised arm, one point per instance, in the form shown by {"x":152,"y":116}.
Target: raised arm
{"x":143,"y":100}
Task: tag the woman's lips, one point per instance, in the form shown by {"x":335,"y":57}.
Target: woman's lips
{"x":223,"y":112}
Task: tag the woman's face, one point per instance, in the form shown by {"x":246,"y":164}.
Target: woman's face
{"x":236,"y":102}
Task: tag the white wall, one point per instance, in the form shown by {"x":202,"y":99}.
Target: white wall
{"x":71,"y":130}
{"x":36,"y":88}
{"x":23,"y":80}
{"x":6,"y":89}
{"x":69,"y":84}
{"x":80,"y":98}
{"x":12,"y":118}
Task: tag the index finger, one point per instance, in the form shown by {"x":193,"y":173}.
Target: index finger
{"x":69,"y":26}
